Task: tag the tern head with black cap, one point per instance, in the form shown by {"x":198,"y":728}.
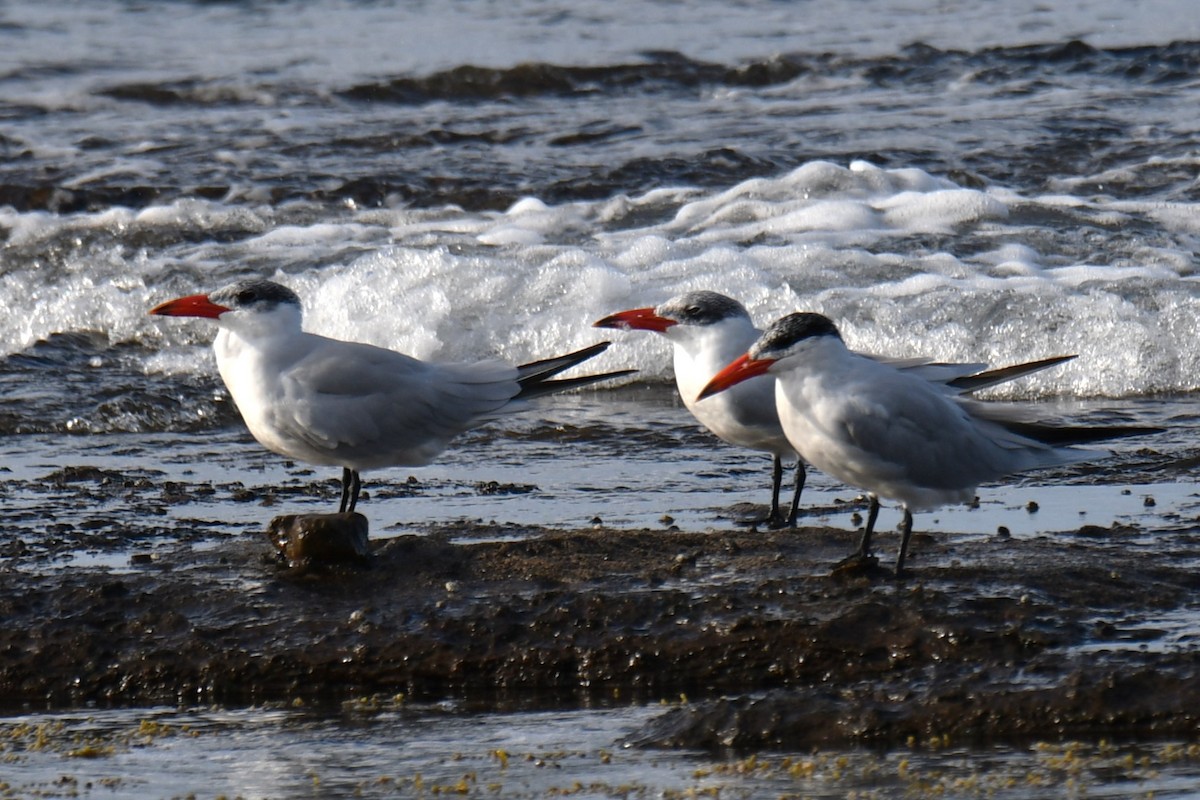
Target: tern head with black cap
{"x":252,"y":305}
{"x":788,"y":337}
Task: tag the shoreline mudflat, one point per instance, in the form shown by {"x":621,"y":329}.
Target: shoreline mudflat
{"x":987,"y":639}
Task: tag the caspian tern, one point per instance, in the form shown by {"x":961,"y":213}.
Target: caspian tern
{"x":708,"y":330}
{"x":353,"y":405}
{"x":889,"y":431}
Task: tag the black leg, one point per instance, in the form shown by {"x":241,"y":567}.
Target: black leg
{"x":905,"y":535}
{"x":862,"y":556}
{"x":773,"y":520}
{"x":345,"y":490}
{"x":800,"y":476}
{"x":864,"y":544}
{"x":351,"y":484}
{"x":356,"y":485}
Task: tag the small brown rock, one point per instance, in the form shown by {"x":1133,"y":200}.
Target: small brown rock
{"x":310,"y":540}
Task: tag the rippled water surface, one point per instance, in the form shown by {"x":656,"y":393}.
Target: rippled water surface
{"x":381,"y":749}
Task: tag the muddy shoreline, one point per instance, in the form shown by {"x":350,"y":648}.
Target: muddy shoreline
{"x":987,"y":639}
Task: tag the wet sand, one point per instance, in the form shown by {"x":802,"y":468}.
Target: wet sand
{"x":988,"y":639}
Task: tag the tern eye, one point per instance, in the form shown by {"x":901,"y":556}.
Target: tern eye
{"x":247,"y":296}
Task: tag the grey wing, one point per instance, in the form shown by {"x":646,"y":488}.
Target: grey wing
{"x":928,"y":437}
{"x":943,"y":372}
{"x":376,"y":407}
{"x":752,"y":405}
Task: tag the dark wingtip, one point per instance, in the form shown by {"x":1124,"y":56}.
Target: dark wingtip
{"x":543,"y":387}
{"x":535,"y":377}
{"x":1067,"y":435}
{"x":991,"y":377}
{"x":549,"y":367}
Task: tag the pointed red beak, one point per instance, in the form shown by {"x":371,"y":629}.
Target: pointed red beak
{"x":196,"y":305}
{"x":740,"y":370}
{"x":637,"y":319}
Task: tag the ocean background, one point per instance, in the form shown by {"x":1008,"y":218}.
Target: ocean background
{"x":959,"y":179}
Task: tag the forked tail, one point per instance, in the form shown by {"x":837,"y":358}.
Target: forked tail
{"x":535,"y":377}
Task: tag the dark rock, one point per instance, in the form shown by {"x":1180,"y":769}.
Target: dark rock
{"x":313,"y":540}
{"x":990,"y":641}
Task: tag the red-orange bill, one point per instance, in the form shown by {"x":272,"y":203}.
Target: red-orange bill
{"x":743,"y":368}
{"x":196,"y":305}
{"x":638,"y":319}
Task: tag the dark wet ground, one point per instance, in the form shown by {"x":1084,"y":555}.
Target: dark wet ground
{"x":988,"y":639}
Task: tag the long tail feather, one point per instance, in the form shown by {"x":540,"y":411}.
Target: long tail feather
{"x":529,"y":391}
{"x":983,"y":380}
{"x":549,"y":367}
{"x":535,"y":376}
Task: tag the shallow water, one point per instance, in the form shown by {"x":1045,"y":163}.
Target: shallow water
{"x":629,"y":459}
{"x":397,"y":751}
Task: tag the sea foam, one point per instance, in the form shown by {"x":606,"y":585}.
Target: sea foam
{"x":905,"y":262}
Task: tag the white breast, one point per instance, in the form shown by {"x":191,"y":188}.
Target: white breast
{"x":744,"y":414}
